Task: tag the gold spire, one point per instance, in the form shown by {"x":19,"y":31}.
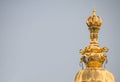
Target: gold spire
{"x":93,"y":55}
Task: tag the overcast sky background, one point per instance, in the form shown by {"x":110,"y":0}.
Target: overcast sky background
{"x":40,"y":39}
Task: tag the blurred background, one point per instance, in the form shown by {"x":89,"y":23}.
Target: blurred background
{"x":40,"y":39}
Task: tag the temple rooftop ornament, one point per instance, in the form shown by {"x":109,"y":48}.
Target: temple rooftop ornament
{"x":94,"y":56}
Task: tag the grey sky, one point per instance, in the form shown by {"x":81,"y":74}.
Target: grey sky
{"x":40,"y":39}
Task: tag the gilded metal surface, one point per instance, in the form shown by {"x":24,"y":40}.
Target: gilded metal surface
{"x":94,"y":75}
{"x":94,"y":56}
{"x":94,"y":22}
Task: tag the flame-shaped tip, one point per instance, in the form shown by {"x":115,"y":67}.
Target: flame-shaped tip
{"x":94,"y":12}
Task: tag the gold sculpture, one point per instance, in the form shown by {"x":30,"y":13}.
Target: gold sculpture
{"x":94,"y":56}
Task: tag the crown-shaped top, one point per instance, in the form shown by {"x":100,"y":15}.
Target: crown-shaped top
{"x":94,"y":21}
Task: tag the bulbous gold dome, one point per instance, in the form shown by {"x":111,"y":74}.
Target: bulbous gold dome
{"x":94,"y":75}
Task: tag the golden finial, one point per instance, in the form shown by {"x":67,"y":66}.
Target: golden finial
{"x":93,"y":55}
